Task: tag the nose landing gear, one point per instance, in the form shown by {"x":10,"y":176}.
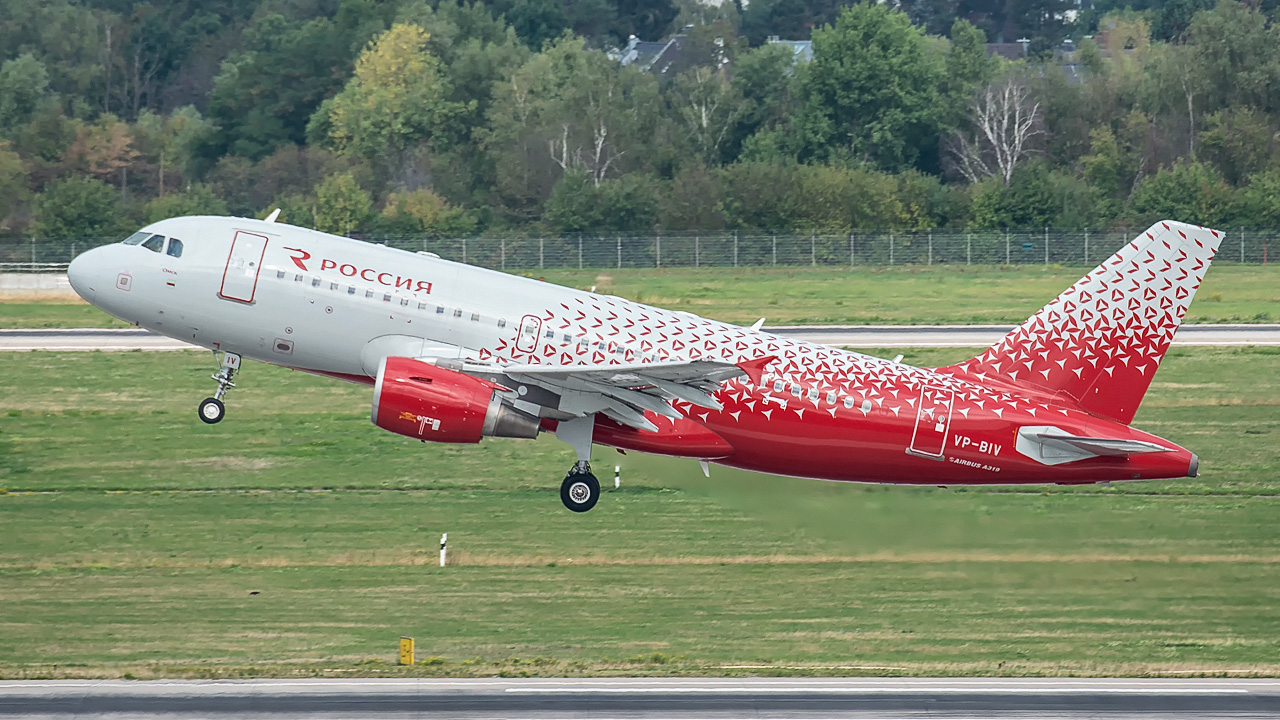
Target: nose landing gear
{"x":211,"y":409}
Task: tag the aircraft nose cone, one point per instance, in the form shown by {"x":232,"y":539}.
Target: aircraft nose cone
{"x":80,"y":273}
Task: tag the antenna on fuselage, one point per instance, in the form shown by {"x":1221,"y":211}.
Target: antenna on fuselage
{"x":272,"y":217}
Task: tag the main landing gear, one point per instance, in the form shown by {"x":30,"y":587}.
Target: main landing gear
{"x":580,"y":490}
{"x":212,"y":410}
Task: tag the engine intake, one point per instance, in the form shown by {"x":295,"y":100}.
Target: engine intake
{"x":428,"y":402}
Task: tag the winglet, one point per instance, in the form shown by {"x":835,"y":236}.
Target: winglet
{"x":755,"y":368}
{"x":272,"y":217}
{"x":757,"y":325}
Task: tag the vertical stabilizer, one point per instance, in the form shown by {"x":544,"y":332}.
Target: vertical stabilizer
{"x":1100,"y":342}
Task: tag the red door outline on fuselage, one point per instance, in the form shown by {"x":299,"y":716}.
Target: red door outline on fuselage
{"x":933,"y":419}
{"x":527,"y":341}
{"x":243,"y":263}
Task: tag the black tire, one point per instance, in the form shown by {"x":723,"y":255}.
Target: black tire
{"x":211,"y":410}
{"x":580,"y":491}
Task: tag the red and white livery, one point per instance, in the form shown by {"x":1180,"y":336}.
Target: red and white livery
{"x":456,"y":353}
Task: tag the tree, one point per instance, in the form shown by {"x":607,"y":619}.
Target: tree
{"x":395,"y":102}
{"x":24,"y":83}
{"x":968,"y":67}
{"x":104,"y":150}
{"x":1005,"y":119}
{"x":341,"y":206}
{"x":1028,"y":202}
{"x":567,"y":109}
{"x":13,"y":184}
{"x":76,"y":208}
{"x":763,"y":78}
{"x":197,"y":199}
{"x":1188,"y":191}
{"x":692,"y":200}
{"x":871,"y":93}
{"x":423,"y":211}
{"x":265,"y":95}
{"x":708,"y":107}
{"x":580,"y":204}
{"x":1260,"y":200}
{"x":1238,"y":141}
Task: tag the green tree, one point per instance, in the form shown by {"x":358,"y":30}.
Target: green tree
{"x":341,"y":206}
{"x":197,"y":199}
{"x":1028,"y":202}
{"x":75,"y":208}
{"x":763,"y":78}
{"x":758,"y":195}
{"x":968,"y":67}
{"x":1260,"y":201}
{"x":423,"y":211}
{"x":1188,"y":191}
{"x":265,"y":95}
{"x":871,"y":93}
{"x":24,"y":84}
{"x":1238,"y":141}
{"x":692,"y":200}
{"x":567,"y":109}
{"x":580,"y":204}
{"x":706,"y":107}
{"x":13,"y":184}
{"x":396,"y":101}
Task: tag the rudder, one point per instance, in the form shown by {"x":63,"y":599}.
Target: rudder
{"x":1100,"y":342}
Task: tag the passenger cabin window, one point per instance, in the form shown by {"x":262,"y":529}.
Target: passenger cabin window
{"x":175,"y":248}
{"x":831,"y":397}
{"x":155,"y":243}
{"x":777,"y":386}
{"x":136,"y":238}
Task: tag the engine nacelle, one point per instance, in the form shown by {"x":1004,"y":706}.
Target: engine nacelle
{"x":427,"y":402}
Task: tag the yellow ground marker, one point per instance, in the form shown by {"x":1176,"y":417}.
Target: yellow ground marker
{"x":406,"y":651}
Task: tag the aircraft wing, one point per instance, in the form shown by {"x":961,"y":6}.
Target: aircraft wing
{"x":625,"y":392}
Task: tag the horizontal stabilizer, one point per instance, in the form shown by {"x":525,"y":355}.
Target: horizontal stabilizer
{"x":1053,"y":446}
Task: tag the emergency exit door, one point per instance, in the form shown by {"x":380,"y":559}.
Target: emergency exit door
{"x":240,"y":278}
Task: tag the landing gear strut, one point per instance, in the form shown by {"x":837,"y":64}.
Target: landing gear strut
{"x":212,"y":410}
{"x":580,"y":489}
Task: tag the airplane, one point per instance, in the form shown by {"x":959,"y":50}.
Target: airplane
{"x":455,"y":353}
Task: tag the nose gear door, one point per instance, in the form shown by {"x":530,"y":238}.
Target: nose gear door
{"x":933,"y":417}
{"x":240,"y":278}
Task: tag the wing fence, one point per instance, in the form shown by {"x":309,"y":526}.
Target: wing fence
{"x":877,"y":248}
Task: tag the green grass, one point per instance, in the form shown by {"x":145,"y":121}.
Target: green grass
{"x":132,"y":537}
{"x":911,"y":295}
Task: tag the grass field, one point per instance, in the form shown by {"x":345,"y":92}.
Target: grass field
{"x":133,"y":539}
{"x":1231,"y":293}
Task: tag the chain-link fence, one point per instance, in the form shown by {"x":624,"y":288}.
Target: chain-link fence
{"x":881,"y":248}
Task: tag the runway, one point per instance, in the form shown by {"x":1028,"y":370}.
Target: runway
{"x":852,"y":336}
{"x":648,"y":698}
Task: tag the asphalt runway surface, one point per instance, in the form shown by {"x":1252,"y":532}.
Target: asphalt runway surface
{"x":854,"y":336}
{"x":648,"y":698}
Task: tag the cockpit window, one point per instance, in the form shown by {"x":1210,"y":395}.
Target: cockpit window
{"x":136,"y":238}
{"x":155,"y":243}
{"x":175,"y":247}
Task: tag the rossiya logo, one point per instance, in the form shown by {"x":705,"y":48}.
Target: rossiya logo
{"x":368,"y":274}
{"x":300,"y":257}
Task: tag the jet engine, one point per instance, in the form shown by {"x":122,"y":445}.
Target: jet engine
{"x":428,"y":402}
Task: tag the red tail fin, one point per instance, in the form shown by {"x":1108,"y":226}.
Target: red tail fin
{"x":1100,"y":342}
